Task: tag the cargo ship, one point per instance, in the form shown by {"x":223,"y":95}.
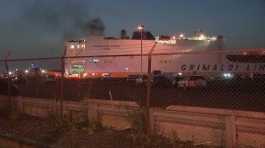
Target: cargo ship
{"x":171,"y":55}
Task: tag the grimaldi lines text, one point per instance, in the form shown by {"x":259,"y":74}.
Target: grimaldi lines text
{"x":223,"y":67}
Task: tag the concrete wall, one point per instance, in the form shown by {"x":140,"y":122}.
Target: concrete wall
{"x":228,"y":128}
{"x":111,"y":113}
{"x":213,"y":126}
{"x":44,"y":107}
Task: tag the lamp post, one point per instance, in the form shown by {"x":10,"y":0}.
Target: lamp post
{"x":141,"y":28}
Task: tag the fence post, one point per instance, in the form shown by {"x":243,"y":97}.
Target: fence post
{"x":8,"y":82}
{"x":62,"y":87}
{"x":9,"y":91}
{"x":152,"y":120}
{"x":148,"y":95}
{"x":230,"y":132}
{"x":148,"y":128}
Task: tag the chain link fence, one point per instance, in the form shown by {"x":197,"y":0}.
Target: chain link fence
{"x":189,"y":79}
{"x":195,"y":79}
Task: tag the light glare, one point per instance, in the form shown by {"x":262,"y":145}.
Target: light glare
{"x":181,"y":35}
{"x":140,"y":27}
{"x":43,"y":71}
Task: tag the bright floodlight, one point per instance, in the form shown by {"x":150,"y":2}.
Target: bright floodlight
{"x":228,"y":75}
{"x":43,"y":71}
{"x":181,"y":35}
{"x":202,"y":37}
{"x":10,"y":73}
{"x":140,"y":27}
{"x":26,"y":71}
{"x":214,"y":38}
{"x":85,"y":74}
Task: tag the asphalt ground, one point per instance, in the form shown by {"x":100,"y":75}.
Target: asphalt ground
{"x":228,"y":94}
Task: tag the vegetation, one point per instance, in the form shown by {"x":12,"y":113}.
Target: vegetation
{"x":137,"y":138}
{"x":81,"y":132}
{"x":134,"y":139}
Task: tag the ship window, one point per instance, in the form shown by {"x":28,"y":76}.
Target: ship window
{"x":93,"y":60}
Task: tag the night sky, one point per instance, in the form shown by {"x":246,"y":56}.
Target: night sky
{"x":37,"y":28}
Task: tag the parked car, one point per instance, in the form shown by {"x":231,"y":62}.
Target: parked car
{"x":192,"y":81}
{"x":136,"y":78}
{"x":175,"y":80}
{"x":50,"y":79}
{"x":106,"y":76}
{"x":161,"y":81}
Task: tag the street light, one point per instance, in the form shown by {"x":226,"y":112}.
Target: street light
{"x":141,"y":28}
{"x":148,"y":90}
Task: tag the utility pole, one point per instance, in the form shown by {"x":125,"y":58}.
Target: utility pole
{"x":148,"y":93}
{"x":62,"y":83}
{"x":141,"y":29}
{"x":142,"y":52}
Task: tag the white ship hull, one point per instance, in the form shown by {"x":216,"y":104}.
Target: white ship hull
{"x":186,"y":57}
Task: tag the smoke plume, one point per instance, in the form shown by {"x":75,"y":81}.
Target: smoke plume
{"x":40,"y":27}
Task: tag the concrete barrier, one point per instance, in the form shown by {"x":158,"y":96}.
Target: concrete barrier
{"x":227,"y":128}
{"x":111,"y":113}
{"x":44,"y":107}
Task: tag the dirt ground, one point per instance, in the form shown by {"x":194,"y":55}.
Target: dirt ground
{"x":28,"y":129}
{"x":41,"y":133}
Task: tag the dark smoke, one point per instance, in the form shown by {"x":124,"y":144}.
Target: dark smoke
{"x":67,"y":17}
{"x":34,"y":28}
{"x":38,"y":28}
